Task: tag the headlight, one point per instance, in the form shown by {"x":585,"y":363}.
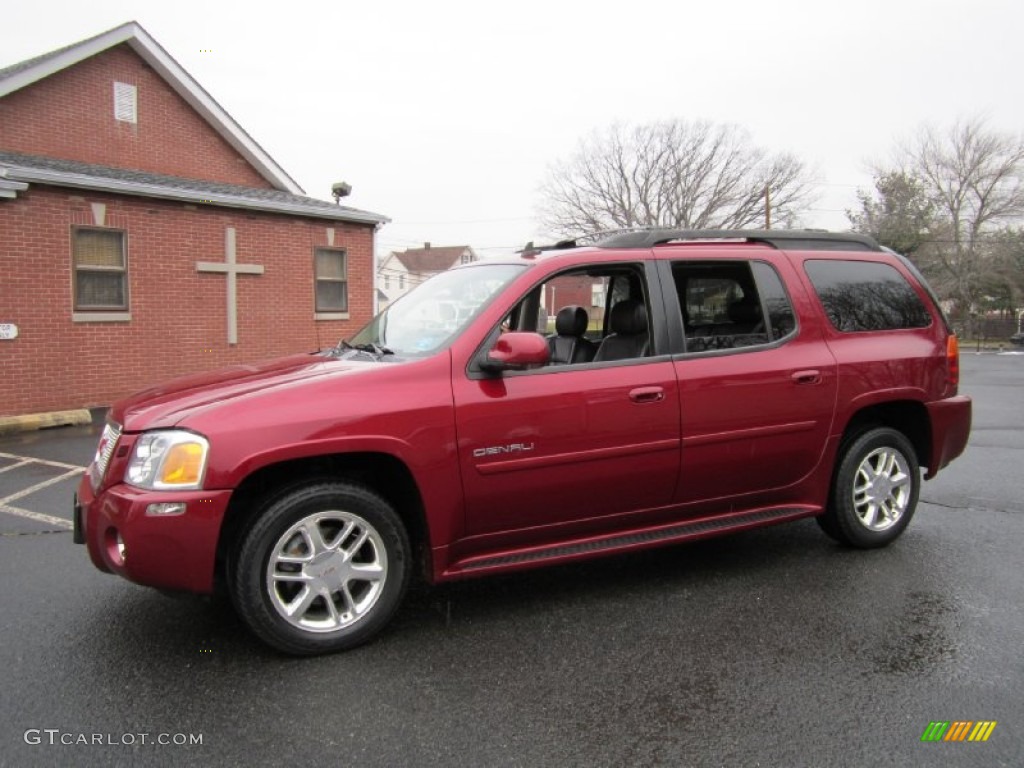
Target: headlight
{"x":172,"y":460}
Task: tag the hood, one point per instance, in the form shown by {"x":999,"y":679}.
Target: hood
{"x":173,"y":401}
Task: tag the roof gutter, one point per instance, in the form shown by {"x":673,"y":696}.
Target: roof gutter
{"x":83,"y":181}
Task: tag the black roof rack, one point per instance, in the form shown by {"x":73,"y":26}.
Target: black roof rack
{"x":789,"y":239}
{"x":530,"y":250}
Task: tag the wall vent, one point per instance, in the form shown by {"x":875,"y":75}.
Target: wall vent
{"x":126,"y":103}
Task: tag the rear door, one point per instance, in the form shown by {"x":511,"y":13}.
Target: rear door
{"x":757,"y":387}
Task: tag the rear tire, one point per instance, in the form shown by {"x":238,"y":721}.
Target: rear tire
{"x":875,"y":490}
{"x":323,"y":569}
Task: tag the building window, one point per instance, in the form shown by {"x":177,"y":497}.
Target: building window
{"x":331,"y":280}
{"x":387,"y":282}
{"x":126,"y":103}
{"x":100,"y":270}
{"x":401,"y":282}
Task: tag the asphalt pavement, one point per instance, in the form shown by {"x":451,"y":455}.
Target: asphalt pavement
{"x":774,"y":647}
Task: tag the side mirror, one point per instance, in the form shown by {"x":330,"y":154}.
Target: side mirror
{"x":515,"y":351}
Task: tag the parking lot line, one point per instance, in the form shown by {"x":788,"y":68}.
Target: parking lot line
{"x":39,"y":486}
{"x":18,"y":465}
{"x":39,"y":517}
{"x":6,"y":507}
{"x":44,"y":462}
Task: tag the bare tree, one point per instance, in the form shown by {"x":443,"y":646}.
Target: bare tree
{"x":974,"y":179}
{"x":693,"y":175}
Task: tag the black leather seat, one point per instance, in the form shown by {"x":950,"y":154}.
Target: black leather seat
{"x":568,"y":345}
{"x":628,"y":337}
{"x":745,"y":315}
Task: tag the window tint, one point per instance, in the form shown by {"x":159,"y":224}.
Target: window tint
{"x":866,"y":296}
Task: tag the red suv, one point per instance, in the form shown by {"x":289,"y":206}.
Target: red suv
{"x":657,"y":387}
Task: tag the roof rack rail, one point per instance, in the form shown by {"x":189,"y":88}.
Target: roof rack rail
{"x":531,"y":251}
{"x":790,"y":239}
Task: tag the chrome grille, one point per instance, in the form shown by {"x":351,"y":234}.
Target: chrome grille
{"x":108,"y":441}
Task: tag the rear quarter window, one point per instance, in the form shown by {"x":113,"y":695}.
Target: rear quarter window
{"x":866,"y":296}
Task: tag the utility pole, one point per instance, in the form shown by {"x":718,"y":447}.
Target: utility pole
{"x":767,"y":207}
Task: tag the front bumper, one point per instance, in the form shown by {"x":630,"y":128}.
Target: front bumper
{"x":175,"y":552}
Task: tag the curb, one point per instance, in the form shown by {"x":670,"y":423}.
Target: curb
{"x":10,"y":425}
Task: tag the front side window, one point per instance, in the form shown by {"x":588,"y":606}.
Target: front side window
{"x":100,"y":270}
{"x":866,"y":296}
{"x":331,"y":280}
{"x":592,"y":314}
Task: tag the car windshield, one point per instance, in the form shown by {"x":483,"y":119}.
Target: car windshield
{"x":429,"y":316}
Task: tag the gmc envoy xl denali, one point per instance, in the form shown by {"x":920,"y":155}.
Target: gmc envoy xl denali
{"x":656,"y":387}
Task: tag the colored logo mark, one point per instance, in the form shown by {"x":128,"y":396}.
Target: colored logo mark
{"x":959,"y":730}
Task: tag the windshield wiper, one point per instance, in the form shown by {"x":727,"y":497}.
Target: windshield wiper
{"x":370,"y":348}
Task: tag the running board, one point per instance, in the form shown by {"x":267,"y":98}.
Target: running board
{"x":640,"y":539}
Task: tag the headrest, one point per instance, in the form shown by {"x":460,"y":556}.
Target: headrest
{"x":629,"y":317}
{"x":745,"y":311}
{"x":571,"y":321}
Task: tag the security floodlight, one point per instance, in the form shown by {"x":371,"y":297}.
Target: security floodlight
{"x":341,"y":189}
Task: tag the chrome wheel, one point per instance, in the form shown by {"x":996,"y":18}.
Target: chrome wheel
{"x":874,"y":490}
{"x":327,"y":571}
{"x":882,"y":489}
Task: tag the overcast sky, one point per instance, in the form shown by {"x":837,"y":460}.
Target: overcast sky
{"x":445,"y":116}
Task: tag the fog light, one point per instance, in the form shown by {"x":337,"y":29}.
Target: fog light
{"x":116,"y":549}
{"x":164,"y":509}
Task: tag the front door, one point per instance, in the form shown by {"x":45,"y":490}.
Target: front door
{"x":569,"y":444}
{"x":585,"y":438}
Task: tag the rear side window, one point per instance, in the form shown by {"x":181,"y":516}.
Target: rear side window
{"x":866,"y":296}
{"x":731,"y":304}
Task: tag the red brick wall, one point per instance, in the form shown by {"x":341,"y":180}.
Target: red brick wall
{"x":179,"y":316}
{"x":565,"y":291}
{"x":70,"y":115}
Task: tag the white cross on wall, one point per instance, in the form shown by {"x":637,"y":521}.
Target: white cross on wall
{"x":231,"y":269}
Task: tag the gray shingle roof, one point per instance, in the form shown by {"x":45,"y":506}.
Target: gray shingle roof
{"x":59,"y":172}
{"x":433,"y":259}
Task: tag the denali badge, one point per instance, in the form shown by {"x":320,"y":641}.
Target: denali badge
{"x":494,"y":450}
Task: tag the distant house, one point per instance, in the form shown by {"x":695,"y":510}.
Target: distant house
{"x":401,"y":271}
{"x":146,"y":234}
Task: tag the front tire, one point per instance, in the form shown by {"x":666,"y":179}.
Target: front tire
{"x":875,"y":490}
{"x":322,"y":569}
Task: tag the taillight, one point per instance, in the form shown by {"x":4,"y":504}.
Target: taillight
{"x":953,"y":362}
